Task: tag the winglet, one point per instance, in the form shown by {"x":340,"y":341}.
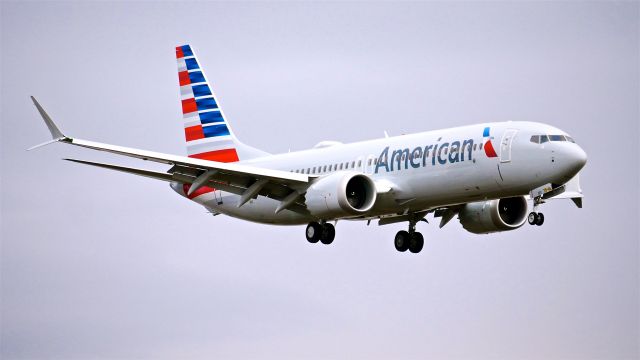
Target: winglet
{"x":56,"y":134}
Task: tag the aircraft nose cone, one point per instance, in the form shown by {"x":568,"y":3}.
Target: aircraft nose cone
{"x":579,"y":158}
{"x":572,"y":160}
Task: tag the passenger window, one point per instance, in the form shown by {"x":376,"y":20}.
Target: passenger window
{"x":543,"y":139}
{"x":353,"y":164}
{"x":369,"y":162}
{"x":341,"y":166}
{"x":325,"y":169}
{"x":359,"y":163}
{"x":375,"y":161}
{"x":475,"y":147}
{"x":535,"y":139}
{"x":480,"y":146}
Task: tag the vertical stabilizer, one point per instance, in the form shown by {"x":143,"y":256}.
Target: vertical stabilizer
{"x":207,"y":132}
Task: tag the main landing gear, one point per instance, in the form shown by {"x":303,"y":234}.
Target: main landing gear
{"x":409,"y":240}
{"x":535,"y":217}
{"x":323,"y":232}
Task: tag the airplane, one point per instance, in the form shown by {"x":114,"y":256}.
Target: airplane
{"x":484,"y":173}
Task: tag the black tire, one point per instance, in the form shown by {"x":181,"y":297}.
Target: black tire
{"x":314,"y":232}
{"x":328,"y":233}
{"x":417,"y":243}
{"x":402,"y":241}
{"x":540,"y":220}
{"x":532,"y":218}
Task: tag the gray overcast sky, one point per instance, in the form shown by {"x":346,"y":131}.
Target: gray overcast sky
{"x":97,"y":264}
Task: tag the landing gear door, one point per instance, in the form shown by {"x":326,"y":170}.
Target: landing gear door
{"x":505,"y":145}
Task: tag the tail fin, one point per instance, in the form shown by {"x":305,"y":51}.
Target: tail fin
{"x":207,"y":132}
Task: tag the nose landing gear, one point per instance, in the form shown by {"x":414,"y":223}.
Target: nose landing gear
{"x":535,"y":217}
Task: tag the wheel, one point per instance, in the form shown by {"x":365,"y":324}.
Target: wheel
{"x":540,"y":220}
{"x":328,"y":233}
{"x":402,"y":241}
{"x":416,"y":243}
{"x":532,"y":218}
{"x":314,"y":232}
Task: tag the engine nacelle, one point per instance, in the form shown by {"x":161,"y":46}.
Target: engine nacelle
{"x":341,"y":194}
{"x":494,"y":215}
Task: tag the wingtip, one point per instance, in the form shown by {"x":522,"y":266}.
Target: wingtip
{"x":56,"y":134}
{"x":43,"y":144}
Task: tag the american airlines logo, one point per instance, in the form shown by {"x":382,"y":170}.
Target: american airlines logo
{"x":447,"y":152}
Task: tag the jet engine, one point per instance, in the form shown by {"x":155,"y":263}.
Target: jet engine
{"x":495,"y":215}
{"x":341,"y":194}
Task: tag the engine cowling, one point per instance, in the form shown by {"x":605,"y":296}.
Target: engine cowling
{"x":494,"y":215}
{"x":341,"y":194}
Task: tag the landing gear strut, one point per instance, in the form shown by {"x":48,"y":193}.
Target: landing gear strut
{"x":535,"y":217}
{"x":323,"y":232}
{"x":409,"y":240}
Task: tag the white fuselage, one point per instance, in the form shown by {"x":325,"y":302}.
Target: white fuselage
{"x":422,"y":171}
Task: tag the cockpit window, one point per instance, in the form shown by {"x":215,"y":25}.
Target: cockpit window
{"x":541,"y":139}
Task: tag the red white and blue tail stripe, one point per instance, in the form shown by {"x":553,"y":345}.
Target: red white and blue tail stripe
{"x":206,"y":131}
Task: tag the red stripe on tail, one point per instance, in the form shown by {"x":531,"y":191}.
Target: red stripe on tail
{"x":184,"y":78}
{"x":193,"y":133}
{"x":189,"y":106}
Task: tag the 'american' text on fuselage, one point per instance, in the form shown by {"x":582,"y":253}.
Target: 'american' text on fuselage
{"x":453,"y":152}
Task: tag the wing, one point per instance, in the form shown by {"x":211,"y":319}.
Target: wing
{"x":246,"y":181}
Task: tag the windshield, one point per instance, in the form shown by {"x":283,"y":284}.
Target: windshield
{"x":541,"y":139}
